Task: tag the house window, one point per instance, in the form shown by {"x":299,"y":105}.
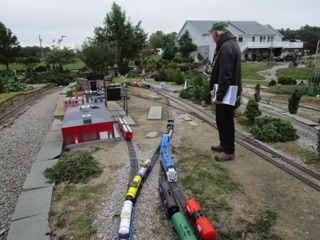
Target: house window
{"x":85,"y":136}
{"x":93,"y":135}
{"x":253,"y":39}
{"x":240,"y":39}
{"x":68,"y":139}
{"x":268,"y":39}
{"x":271,"y":38}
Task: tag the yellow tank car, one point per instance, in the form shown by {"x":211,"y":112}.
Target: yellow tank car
{"x":133,"y":188}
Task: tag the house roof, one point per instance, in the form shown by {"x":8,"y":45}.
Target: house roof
{"x":247,"y":27}
{"x":99,"y":114}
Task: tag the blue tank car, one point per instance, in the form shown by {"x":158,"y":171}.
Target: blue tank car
{"x":166,"y":160}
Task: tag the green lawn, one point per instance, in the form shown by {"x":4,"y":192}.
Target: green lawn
{"x":296,"y":73}
{"x":249,"y":70}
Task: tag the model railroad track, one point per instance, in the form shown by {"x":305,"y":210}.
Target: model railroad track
{"x":16,"y":109}
{"x":284,"y":103}
{"x":306,"y":175}
{"x":176,"y":188}
{"x":133,"y":159}
{"x":304,"y":130}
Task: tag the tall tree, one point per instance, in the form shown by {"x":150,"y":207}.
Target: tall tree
{"x":161,"y":40}
{"x":130,"y":39}
{"x":185,"y":45}
{"x":98,"y":56}
{"x":60,"y":56}
{"x":9,"y":46}
{"x":29,"y":62}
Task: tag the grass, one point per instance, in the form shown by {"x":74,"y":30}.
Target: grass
{"x":7,"y":95}
{"x":249,"y":70}
{"x":78,"y":220}
{"x":204,"y":172}
{"x":296,"y":73}
{"x":19,"y":67}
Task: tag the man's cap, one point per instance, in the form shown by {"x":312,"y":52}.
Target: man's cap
{"x":219,"y":26}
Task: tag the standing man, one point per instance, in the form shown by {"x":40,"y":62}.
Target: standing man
{"x":226,"y":71}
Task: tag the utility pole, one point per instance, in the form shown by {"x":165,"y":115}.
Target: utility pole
{"x":314,"y":74}
{"x":40,"y":40}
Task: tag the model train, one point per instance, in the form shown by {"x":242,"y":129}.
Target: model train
{"x":125,"y":129}
{"x":177,"y":219}
{"x":203,"y":224}
{"x":166,"y":160}
{"x":127,"y":212}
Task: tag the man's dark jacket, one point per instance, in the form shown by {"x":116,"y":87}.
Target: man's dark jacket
{"x":226,"y":64}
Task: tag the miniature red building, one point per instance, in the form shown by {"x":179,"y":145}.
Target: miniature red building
{"x":87,"y":124}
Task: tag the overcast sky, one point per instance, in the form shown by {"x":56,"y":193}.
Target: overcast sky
{"x":76,"y":19}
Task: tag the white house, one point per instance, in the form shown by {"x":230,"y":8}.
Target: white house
{"x":256,"y":41}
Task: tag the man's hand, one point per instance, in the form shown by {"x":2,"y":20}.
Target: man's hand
{"x":217,"y":102}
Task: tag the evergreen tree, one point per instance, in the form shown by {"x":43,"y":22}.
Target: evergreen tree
{"x":185,"y":45}
{"x":118,"y":31}
{"x":257,"y":96}
{"x":178,"y":78}
{"x":294,"y":102}
{"x":252,"y":110}
{"x":163,"y":76}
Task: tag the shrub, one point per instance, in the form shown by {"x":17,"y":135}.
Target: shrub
{"x":198,"y":80}
{"x":76,"y":167}
{"x":271,"y":129}
{"x":163,"y":75}
{"x":186,"y":93}
{"x":287,"y":81}
{"x":257,"y":96}
{"x":272,"y":83}
{"x":178,"y":78}
{"x":2,"y":82}
{"x":252,"y":110}
{"x":196,"y":92}
{"x":183,"y":67}
{"x":294,"y":102}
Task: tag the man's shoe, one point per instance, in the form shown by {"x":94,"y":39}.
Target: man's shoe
{"x":218,"y":148}
{"x":223,"y":157}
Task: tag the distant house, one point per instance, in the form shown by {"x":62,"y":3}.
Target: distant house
{"x":85,"y":124}
{"x":256,"y":41}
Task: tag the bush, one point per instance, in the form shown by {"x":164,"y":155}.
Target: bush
{"x":257,"y":96}
{"x":163,"y":75}
{"x":272,"y":83}
{"x":287,"y":81}
{"x":294,"y":102}
{"x":270,"y":129}
{"x":75,"y":167}
{"x":198,"y":80}
{"x":186,"y":93}
{"x":252,"y":110}
{"x":2,"y":82}
{"x":178,"y":78}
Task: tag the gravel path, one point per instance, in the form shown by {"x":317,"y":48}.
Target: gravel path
{"x":19,"y":146}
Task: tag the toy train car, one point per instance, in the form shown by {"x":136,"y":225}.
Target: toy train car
{"x":171,"y":207}
{"x":166,"y":160}
{"x":141,"y":84}
{"x":203,"y":224}
{"x":170,"y":204}
{"x":126,"y":216}
{"x":125,"y":129}
{"x":145,"y":167}
{"x":182,"y":227}
{"x":133,"y":188}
